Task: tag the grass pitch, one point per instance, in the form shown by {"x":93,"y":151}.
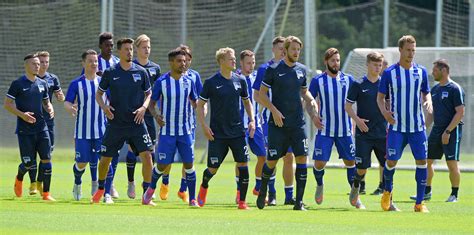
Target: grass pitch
{"x":220,"y":215}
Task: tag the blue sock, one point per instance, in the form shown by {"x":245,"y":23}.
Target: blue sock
{"x":93,"y":168}
{"x":271,"y":184}
{"x":183,"y":185}
{"x":237,"y":183}
{"x":101,"y":184}
{"x":114,"y":164}
{"x":47,"y":172}
{"x":288,"y":192}
{"x":166,"y":179}
{"x":155,"y":177}
{"x":388,"y":178}
{"x":191,"y":182}
{"x":21,"y":171}
{"x":258,"y":183}
{"x":350,"y":174}
{"x":420,"y":176}
{"x":145,"y":186}
{"x":77,"y":174}
{"x":318,"y":175}
{"x":109,"y":180}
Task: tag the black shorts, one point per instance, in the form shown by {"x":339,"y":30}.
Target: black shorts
{"x":32,"y":144}
{"x":51,"y":135}
{"x":364,"y":149}
{"x":451,"y":150}
{"x":137,"y":137}
{"x":218,"y":149}
{"x":281,"y":138}
{"x":151,"y":127}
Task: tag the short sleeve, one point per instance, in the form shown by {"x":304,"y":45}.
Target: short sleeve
{"x":305,"y":83}
{"x":198,"y":83}
{"x":156,"y":91}
{"x":425,"y":85}
{"x":146,"y":82}
{"x":193,"y":93}
{"x":314,"y":87}
{"x":353,"y":93}
{"x":259,"y":78}
{"x":57,"y":85}
{"x":244,"y":92}
{"x":458,"y":96}
{"x":46,"y":90}
{"x":268,"y":77}
{"x":14,"y":90}
{"x":384,"y":82}
{"x":105,"y":81}
{"x":206,"y":90}
{"x":71,"y":92}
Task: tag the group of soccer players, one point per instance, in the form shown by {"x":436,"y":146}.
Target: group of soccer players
{"x":115,"y":102}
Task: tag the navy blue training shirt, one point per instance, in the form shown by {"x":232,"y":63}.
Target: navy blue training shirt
{"x":29,"y":97}
{"x":224,"y":96}
{"x":154,"y":72}
{"x":445,"y":100}
{"x":286,"y":84}
{"x":126,"y":92}
{"x":53,"y":86}
{"x":364,"y":93}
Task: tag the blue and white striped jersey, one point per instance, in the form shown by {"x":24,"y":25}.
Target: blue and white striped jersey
{"x":332,"y":94}
{"x":90,"y":119}
{"x":174,"y":97}
{"x":196,"y":78}
{"x":405,"y":87}
{"x":250,"y":81}
{"x":256,"y":86}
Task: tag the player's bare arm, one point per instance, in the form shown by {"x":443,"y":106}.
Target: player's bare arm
{"x":265,"y":101}
{"x":140,"y":112}
{"x":201,"y":116}
{"x":387,"y":114}
{"x":249,"y":109}
{"x":108,"y":110}
{"x":10,"y":106}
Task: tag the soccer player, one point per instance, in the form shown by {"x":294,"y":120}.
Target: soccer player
{"x":278,"y":51}
{"x":130,"y":93}
{"x":371,"y":128}
{"x":27,"y":98}
{"x":176,"y":93}
{"x":333,"y":123}
{"x":257,"y":143}
{"x":143,"y":46}
{"x":196,"y":78}
{"x":407,"y":85}
{"x":54,"y":87}
{"x":90,"y":120}
{"x":224,"y":91}
{"x":287,"y":79}
{"x":445,"y":136}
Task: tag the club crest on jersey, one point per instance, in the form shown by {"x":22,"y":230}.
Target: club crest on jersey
{"x":392,"y":152}
{"x":444,"y":94}
{"x":185,"y":84}
{"x":161,"y":156}
{"x":299,"y":74}
{"x":237,"y":85}
{"x":416,"y":75}
{"x":343,"y":82}
{"x":41,"y":88}
{"x":136,"y":77}
{"x":50,"y":83}
{"x":152,"y":71}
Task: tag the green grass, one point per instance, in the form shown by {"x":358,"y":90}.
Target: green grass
{"x":30,"y":215}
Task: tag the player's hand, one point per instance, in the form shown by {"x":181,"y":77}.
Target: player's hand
{"x":389,"y":117}
{"x":139,"y":115}
{"x":278,"y":118}
{"x":51,"y":111}
{"x":251,"y":128}
{"x":360,"y":122}
{"x":317,"y":122}
{"x":28,"y":117}
{"x":108,"y":112}
{"x":428,"y":106}
{"x":159,"y":120}
{"x":208,"y":132}
{"x":445,"y":138}
{"x":72,"y":110}
{"x":60,"y":96}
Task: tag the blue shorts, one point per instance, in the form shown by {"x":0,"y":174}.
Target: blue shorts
{"x":177,"y":156}
{"x":51,"y":135}
{"x":265,"y":134}
{"x":137,"y":137}
{"x":169,"y":145}
{"x":396,"y":142}
{"x":218,"y":149}
{"x":32,"y":144}
{"x":87,"y":150}
{"x":323,"y":148}
{"x":281,"y":138}
{"x":257,"y":143}
{"x":436,"y":148}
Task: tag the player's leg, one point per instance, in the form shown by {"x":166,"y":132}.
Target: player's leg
{"x":84,"y":153}
{"x":396,"y":142}
{"x":419,"y":146}
{"x":321,"y":155}
{"x":363,"y":149}
{"x":43,"y":147}
{"x":26,"y":144}
{"x":257,"y":146}
{"x":346,"y":150}
{"x":288,"y":175}
{"x":131,"y":161}
{"x":240,"y":153}
{"x":217,"y":151}
{"x":380,"y":151}
{"x":51,"y":133}
{"x":185,"y":146}
{"x":299,"y":144}
{"x":451,"y":152}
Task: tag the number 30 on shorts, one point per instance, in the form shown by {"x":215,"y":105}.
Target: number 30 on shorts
{"x":146,"y":138}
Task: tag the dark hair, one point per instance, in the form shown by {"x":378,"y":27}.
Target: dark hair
{"x":105,"y":36}
{"x":245,"y":53}
{"x":29,"y":56}
{"x":86,"y":53}
{"x":123,"y":41}
{"x":175,"y":52}
{"x":442,"y":63}
{"x":330,"y":52}
{"x":278,"y":39}
{"x":186,"y":49}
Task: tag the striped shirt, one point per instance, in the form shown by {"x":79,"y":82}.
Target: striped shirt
{"x":256,"y":86}
{"x":90,"y":119}
{"x":332,"y":94}
{"x":245,"y":117}
{"x":105,"y":64}
{"x":174,"y":96}
{"x":196,"y":78}
{"x":405,"y":87}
